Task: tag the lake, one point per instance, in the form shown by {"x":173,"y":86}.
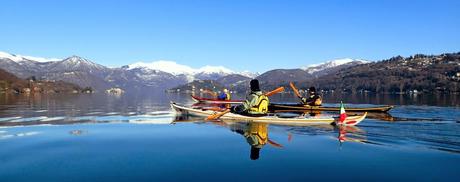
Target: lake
{"x":137,"y":137}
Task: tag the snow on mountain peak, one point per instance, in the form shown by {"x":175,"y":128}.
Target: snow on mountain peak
{"x":178,"y":69}
{"x":214,"y":69}
{"x":166,"y":66}
{"x":10,"y":56}
{"x":330,"y":64}
{"x":19,"y":58}
{"x":40,"y":59}
{"x":77,"y":59}
{"x":249,"y":74}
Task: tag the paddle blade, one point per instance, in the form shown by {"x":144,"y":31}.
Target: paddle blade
{"x":273,"y":143}
{"x":218,"y":109}
{"x":296,"y":91}
{"x":214,"y":94}
{"x":217,"y":115}
{"x":278,"y":90}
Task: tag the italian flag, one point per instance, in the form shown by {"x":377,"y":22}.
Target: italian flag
{"x":343,"y":114}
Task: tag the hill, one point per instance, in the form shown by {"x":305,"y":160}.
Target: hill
{"x":426,"y":73}
{"x":12,"y":84}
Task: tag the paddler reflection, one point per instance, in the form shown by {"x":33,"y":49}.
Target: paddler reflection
{"x":256,"y":135}
{"x":313,"y":113}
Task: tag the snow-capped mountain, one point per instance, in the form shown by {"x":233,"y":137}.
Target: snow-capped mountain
{"x":203,"y":73}
{"x":20,"y":58}
{"x":249,"y":74}
{"x":74,"y":69}
{"x":333,"y":65}
{"x":140,"y":78}
{"x":75,"y":63}
{"x":166,"y":66}
{"x":86,"y":73}
{"x":158,"y":74}
{"x":21,"y":66}
{"x":212,"y":72}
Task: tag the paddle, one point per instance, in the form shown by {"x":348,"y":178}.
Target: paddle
{"x":296,"y":91}
{"x":273,"y":92}
{"x":218,"y":115}
{"x":214,"y":94}
{"x":219,"y":109}
{"x":273,"y":143}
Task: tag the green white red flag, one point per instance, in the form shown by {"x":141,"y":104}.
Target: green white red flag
{"x":343,"y":114}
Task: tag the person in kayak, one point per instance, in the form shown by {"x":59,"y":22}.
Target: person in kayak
{"x":225,"y":95}
{"x":256,"y":103}
{"x":314,"y":99}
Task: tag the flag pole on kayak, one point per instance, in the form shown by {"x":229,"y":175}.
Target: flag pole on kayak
{"x":343,"y":114}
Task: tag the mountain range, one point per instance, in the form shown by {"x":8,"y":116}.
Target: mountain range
{"x":281,"y":76}
{"x":398,"y":74}
{"x":413,"y":74}
{"x":157,"y":75}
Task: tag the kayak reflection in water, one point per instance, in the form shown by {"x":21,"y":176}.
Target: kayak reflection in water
{"x":351,"y":134}
{"x":256,"y":135}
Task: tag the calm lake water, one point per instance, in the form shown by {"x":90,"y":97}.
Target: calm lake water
{"x":134,"y":137}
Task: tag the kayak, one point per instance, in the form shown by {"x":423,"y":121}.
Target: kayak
{"x":300,"y":107}
{"x":270,"y":118}
{"x":278,"y":107}
{"x":215,"y":101}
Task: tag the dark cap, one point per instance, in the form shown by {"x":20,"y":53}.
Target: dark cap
{"x":255,"y":85}
{"x":312,"y":89}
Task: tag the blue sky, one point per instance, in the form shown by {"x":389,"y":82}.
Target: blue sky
{"x":255,"y":35}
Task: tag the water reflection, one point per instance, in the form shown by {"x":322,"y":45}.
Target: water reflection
{"x":256,"y":134}
{"x":164,"y":117}
{"x":351,"y":134}
{"x":6,"y":135}
{"x":433,"y":127}
{"x":77,"y":132}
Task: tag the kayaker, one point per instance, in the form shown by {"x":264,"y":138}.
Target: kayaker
{"x":314,"y":99}
{"x":225,"y":95}
{"x":256,"y":103}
